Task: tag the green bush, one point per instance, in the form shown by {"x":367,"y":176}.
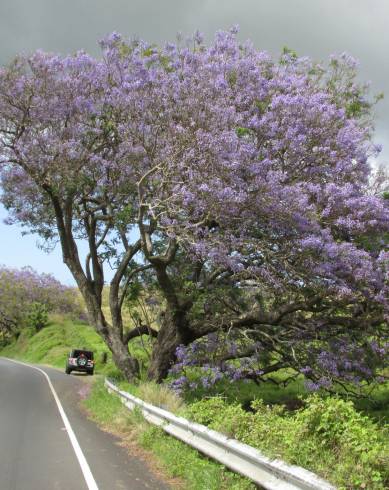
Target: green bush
{"x":327,"y":436}
{"x":37,"y":316}
{"x":359,"y":443}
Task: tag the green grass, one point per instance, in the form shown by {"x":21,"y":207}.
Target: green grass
{"x":245,"y":391}
{"x":52,"y":344}
{"x":375,"y":405}
{"x":328,"y":436}
{"x":177,"y":460}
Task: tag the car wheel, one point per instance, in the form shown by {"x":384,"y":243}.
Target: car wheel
{"x":68,"y":371}
{"x":90,"y":372}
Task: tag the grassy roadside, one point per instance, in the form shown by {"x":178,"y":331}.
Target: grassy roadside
{"x":345,"y":443}
{"x":182,"y":466}
{"x":188,"y":469}
{"x":324,"y":434}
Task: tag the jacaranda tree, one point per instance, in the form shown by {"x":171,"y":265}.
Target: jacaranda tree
{"x":26,"y":298}
{"x":235,"y":184}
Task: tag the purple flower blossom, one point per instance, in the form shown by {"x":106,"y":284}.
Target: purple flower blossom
{"x":252,"y":166}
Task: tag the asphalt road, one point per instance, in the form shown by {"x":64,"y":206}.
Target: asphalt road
{"x":44,"y":449}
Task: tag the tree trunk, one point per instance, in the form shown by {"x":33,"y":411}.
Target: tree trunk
{"x":91,"y":290}
{"x":128,"y":365}
{"x":173,"y":333}
{"x":111,"y":335}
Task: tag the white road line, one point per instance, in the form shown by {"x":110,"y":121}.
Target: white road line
{"x":89,"y":479}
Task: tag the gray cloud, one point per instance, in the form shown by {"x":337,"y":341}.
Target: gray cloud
{"x":315,"y":28}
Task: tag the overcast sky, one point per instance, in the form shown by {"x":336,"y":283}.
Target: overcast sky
{"x":315,"y":28}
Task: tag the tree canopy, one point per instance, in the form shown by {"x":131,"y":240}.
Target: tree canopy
{"x":238,"y":185}
{"x":26,"y":297}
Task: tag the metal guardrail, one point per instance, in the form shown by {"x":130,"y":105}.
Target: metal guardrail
{"x":241,"y":458}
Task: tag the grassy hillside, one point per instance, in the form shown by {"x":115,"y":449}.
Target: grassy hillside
{"x":52,"y":344}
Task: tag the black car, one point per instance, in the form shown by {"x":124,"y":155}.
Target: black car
{"x":80,"y":360}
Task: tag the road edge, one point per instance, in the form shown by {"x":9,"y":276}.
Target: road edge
{"x":86,"y":471}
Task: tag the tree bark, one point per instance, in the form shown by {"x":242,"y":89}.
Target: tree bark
{"x":173,"y":332}
{"x":128,"y":365}
{"x":113,"y":338}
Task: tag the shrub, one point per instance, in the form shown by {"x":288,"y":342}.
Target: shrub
{"x":327,"y":436}
{"x":37,"y":316}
